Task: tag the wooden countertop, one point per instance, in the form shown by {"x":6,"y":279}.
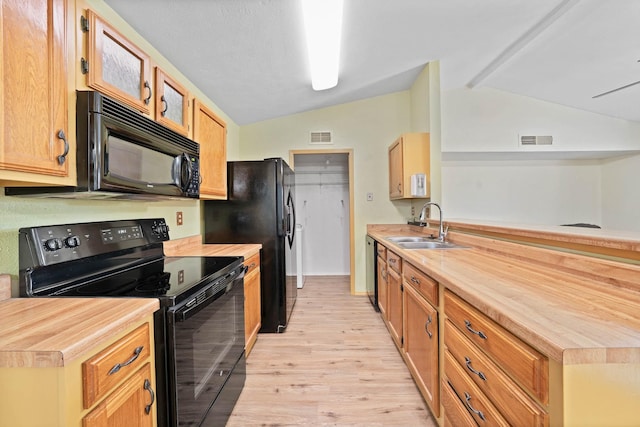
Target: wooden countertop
{"x":193,"y":246}
{"x":572,"y":318}
{"x":51,"y":332}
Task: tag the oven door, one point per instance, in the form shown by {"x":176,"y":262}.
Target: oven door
{"x":205,"y":343}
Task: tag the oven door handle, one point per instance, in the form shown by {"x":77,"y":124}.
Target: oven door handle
{"x":192,"y":307}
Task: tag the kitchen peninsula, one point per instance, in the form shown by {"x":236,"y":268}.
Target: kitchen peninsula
{"x":555,"y":308}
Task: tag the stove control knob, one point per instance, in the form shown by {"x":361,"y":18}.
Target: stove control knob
{"x":72,"y":241}
{"x":160,"y":229}
{"x":53,"y":244}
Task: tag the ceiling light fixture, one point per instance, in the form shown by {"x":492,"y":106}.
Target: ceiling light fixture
{"x":323,"y":28}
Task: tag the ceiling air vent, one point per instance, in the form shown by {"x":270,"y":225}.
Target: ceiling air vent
{"x":536,"y":140}
{"x":321,"y":138}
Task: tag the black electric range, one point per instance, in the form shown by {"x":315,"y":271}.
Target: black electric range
{"x":199,"y":329}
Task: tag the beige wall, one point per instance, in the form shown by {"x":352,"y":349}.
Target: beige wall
{"x":368,"y":127}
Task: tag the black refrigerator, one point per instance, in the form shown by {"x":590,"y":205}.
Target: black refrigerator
{"x":260,"y":209}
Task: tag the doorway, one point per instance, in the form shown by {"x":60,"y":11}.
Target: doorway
{"x":324,"y":204}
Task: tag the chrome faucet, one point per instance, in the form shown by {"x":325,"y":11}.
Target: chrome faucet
{"x":441,"y":232}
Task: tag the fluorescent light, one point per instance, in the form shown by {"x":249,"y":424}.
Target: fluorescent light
{"x":323,"y":27}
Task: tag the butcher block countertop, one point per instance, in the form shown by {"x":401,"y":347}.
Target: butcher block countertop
{"x":193,"y":246}
{"x":573,"y":308}
{"x":52,"y":332}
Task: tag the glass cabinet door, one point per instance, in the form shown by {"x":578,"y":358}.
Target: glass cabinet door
{"x":172,"y":103}
{"x":116,"y":67}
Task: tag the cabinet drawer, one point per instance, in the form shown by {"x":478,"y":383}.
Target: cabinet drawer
{"x":422,"y":283}
{"x":514,"y":404}
{"x":474,"y":401}
{"x":523,"y":363}
{"x":116,"y":362}
{"x":455,"y":413}
{"x":394,"y":262}
{"x":382,"y":251}
{"x":252,"y":263}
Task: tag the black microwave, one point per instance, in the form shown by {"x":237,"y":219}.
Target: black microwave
{"x":123,"y":154}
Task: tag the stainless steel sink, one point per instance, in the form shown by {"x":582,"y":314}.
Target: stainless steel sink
{"x":401,"y":239}
{"x":414,"y":242}
{"x":434,"y":244}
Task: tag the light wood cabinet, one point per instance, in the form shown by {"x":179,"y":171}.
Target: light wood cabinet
{"x":172,"y":103}
{"x":421,"y":337}
{"x":394,"y":295}
{"x":35,"y":143}
{"x":122,"y":407}
{"x":211,"y":133}
{"x":115,"y":66}
{"x":252,"y":306}
{"x":382,"y":281}
{"x":507,"y":380}
{"x":408,"y":155}
{"x":111,"y":385}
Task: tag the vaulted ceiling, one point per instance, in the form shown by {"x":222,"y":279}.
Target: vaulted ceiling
{"x":249,"y":56}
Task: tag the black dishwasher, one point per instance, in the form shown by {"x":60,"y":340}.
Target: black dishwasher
{"x":372,"y":272}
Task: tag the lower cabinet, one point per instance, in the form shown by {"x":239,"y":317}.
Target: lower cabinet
{"x":394,"y":298}
{"x":421,"y":345}
{"x":498,"y":379}
{"x":252,"y":311}
{"x":112,"y":385}
{"x":382,"y":281}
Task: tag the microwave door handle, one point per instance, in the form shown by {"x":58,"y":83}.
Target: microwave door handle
{"x":180,"y":164}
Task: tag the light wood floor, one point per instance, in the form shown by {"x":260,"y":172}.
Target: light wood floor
{"x":335,"y":365}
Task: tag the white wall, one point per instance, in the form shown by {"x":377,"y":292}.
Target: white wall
{"x":545,"y":192}
{"x":621,"y":193}
{"x":367,"y":127}
{"x":534,"y":192}
{"x":322,"y":208}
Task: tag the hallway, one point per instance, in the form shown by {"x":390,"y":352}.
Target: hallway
{"x":336,"y":365}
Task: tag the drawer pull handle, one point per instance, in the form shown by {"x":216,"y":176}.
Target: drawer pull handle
{"x":392,"y":260}
{"x":426,"y":326}
{"x":383,"y":273}
{"x":414,"y":280}
{"x":253,"y":264}
{"x":478,"y":373}
{"x":147,"y":386}
{"x":117,"y":366}
{"x":473,"y":331}
{"x":467,"y":398}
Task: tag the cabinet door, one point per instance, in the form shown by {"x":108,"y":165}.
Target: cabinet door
{"x":117,"y":67}
{"x":33,"y":87}
{"x":421,"y":345}
{"x":394,"y":306}
{"x":396,"y":188}
{"x":131,"y":404}
{"x":211,"y":133}
{"x":382,"y":287}
{"x":252,"y":313}
{"x":172,"y":103}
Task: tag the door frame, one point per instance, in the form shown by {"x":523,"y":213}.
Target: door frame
{"x":349,"y":153}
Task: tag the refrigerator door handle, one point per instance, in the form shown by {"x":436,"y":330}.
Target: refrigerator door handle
{"x":291,"y":226}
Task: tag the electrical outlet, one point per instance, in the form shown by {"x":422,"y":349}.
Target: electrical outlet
{"x":413,"y":211}
{"x":179,"y":218}
{"x":180,"y":277}
{"x":369,"y":197}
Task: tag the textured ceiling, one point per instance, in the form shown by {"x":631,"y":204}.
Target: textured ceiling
{"x":249,"y":56}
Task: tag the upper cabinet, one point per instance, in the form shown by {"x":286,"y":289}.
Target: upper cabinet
{"x":35,"y":142}
{"x":211,"y":133}
{"x":172,"y":103}
{"x":118,"y":68}
{"x":115,"y":66}
{"x":409,"y":156}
